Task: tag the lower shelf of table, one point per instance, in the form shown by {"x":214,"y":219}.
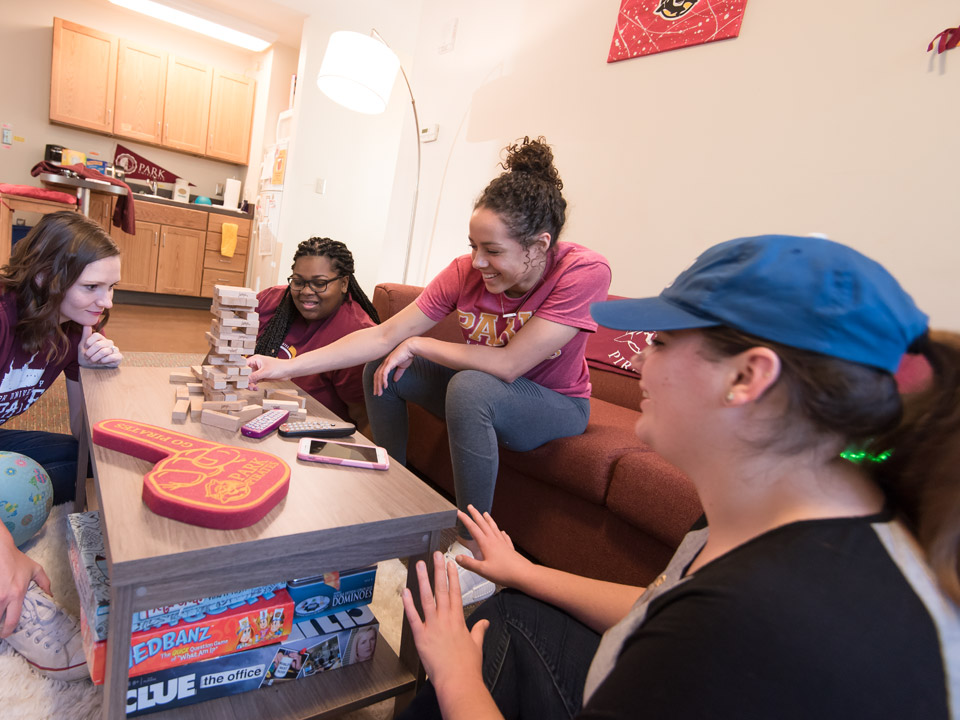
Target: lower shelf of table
{"x":323,"y":695}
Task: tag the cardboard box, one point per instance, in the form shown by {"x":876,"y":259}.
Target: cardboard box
{"x":262,"y":623}
{"x":325,"y":643}
{"x":327,"y":593}
{"x":199,"y":681}
{"x":89,"y":564}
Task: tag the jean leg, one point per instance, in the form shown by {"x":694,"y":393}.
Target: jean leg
{"x":535,"y":660}
{"x":483,"y":412}
{"x":424,"y":383}
{"x":55,"y":452}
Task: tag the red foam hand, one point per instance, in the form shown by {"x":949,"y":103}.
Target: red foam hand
{"x":199,"y":481}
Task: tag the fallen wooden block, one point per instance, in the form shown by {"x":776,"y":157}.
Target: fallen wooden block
{"x":178,"y":377}
{"x":288,"y":405}
{"x":180,"y":410}
{"x":196,"y":407}
{"x":220,"y":420}
{"x":249,"y":413}
{"x":182,"y":392}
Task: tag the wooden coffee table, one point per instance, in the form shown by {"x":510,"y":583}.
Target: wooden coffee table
{"x":333,"y":518}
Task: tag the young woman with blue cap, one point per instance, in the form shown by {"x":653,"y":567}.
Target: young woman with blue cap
{"x":814,"y":586}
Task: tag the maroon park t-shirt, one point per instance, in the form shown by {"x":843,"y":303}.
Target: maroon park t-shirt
{"x":333,"y":389}
{"x":25,"y":376}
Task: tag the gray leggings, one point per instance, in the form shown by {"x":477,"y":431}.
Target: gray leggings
{"x":481,"y":411}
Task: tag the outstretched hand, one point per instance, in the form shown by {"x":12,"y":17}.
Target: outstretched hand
{"x":266,"y":368}
{"x":16,"y":572}
{"x":451,"y":654}
{"x":498,"y":560}
{"x":94,"y":350}
{"x":398,"y":360}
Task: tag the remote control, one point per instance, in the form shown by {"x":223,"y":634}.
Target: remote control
{"x":317,"y":429}
{"x":264,"y":424}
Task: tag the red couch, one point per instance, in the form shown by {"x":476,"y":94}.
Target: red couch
{"x":601,"y":504}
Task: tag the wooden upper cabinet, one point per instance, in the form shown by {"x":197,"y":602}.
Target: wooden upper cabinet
{"x":186,"y":108}
{"x":83,"y":80}
{"x":231,"y":117}
{"x":141,"y":85}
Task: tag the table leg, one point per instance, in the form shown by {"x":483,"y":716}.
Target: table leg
{"x":84,"y":195}
{"x":408,"y":650}
{"x":116,"y":668}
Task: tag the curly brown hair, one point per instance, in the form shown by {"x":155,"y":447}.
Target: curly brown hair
{"x":527,"y":196}
{"x":42,"y":267}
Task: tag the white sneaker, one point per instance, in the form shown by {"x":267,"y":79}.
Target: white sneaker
{"x":49,"y":638}
{"x":473,"y":587}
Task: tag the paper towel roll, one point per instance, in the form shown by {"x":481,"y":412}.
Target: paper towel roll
{"x":231,"y":194}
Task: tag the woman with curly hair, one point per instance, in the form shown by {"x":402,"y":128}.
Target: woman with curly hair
{"x":320,"y":303}
{"x":55,"y":296}
{"x":523,"y":299}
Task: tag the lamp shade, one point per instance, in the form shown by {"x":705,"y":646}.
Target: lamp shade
{"x":358,"y":72}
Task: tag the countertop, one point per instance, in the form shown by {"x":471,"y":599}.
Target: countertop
{"x":217,"y":209}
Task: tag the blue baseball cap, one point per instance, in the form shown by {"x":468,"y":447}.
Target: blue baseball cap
{"x":805,"y":292}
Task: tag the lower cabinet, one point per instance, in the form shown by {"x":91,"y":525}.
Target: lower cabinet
{"x":179,"y":264}
{"x":138,"y":257}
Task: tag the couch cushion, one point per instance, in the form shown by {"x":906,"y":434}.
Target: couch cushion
{"x":582,"y":464}
{"x":391,"y":298}
{"x":653,"y":496}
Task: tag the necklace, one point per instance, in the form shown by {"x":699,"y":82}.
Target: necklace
{"x":523,"y":298}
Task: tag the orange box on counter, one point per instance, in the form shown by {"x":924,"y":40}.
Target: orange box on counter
{"x":251,"y":625}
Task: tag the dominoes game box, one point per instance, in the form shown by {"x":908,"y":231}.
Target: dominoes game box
{"x":327,"y":593}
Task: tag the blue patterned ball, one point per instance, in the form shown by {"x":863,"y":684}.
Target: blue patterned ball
{"x":26,"y":495}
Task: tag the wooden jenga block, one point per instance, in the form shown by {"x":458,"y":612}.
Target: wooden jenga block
{"x":246,"y":370}
{"x":178,"y":376}
{"x":249,"y":413}
{"x":180,"y":410}
{"x":298,"y":416}
{"x":197,"y":371}
{"x":196,"y":407}
{"x":195,"y":388}
{"x":242,"y":381}
{"x":220,"y":420}
{"x":182,"y":392}
{"x":290,"y":405}
{"x":223,"y":406}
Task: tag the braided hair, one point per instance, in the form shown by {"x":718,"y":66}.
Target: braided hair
{"x":527,"y":196}
{"x":341,"y":258}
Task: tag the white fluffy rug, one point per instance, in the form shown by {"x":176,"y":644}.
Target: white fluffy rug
{"x":28,"y":695}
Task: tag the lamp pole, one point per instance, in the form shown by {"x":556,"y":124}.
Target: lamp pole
{"x":416,"y":189}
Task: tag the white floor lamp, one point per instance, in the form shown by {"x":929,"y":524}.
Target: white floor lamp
{"x":358,"y":72}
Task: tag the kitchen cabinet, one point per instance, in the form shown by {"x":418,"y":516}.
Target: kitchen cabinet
{"x":141,"y":88}
{"x":217,"y":268}
{"x":83,"y":77}
{"x":166,"y":254}
{"x":186,"y":105}
{"x":231,"y":117}
{"x":101,"y":209}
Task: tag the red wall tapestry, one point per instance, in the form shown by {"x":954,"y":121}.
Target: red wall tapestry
{"x":645,"y":27}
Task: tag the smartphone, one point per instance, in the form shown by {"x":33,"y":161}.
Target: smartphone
{"x":342,"y":453}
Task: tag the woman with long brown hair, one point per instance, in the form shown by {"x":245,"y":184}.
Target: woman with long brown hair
{"x":55,"y":295}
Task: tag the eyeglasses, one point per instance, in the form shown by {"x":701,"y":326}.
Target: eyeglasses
{"x":318,"y":286}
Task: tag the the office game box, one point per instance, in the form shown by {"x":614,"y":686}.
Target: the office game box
{"x":200,"y":681}
{"x":325,"y":643}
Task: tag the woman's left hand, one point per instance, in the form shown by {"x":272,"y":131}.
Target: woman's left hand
{"x":399,"y":360}
{"x":451,"y":654}
{"x":95,"y":350}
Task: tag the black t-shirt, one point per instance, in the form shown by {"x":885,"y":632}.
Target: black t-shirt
{"x":818,"y":619}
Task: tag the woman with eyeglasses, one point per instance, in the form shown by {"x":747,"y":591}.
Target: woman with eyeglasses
{"x":520,"y":380}
{"x":321,"y":303}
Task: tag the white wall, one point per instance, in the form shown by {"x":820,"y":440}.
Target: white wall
{"x":26,"y":41}
{"x":820,"y":117}
{"x":355,"y":154}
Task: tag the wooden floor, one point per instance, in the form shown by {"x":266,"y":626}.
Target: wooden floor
{"x":147,"y":328}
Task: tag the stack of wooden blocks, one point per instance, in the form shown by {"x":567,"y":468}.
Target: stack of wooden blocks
{"x":217,"y":393}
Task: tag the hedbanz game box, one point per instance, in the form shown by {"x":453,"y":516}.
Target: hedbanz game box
{"x":260,"y":623}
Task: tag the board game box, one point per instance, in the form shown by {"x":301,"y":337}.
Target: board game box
{"x":327,"y":593}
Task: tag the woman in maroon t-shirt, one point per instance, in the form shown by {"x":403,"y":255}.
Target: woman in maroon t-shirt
{"x":55,"y":295}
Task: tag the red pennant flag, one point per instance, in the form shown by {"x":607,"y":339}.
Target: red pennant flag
{"x":138,"y":167}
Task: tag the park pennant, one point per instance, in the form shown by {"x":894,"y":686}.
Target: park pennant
{"x":199,"y":481}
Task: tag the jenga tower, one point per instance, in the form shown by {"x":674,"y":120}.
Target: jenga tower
{"x":233,"y":334}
